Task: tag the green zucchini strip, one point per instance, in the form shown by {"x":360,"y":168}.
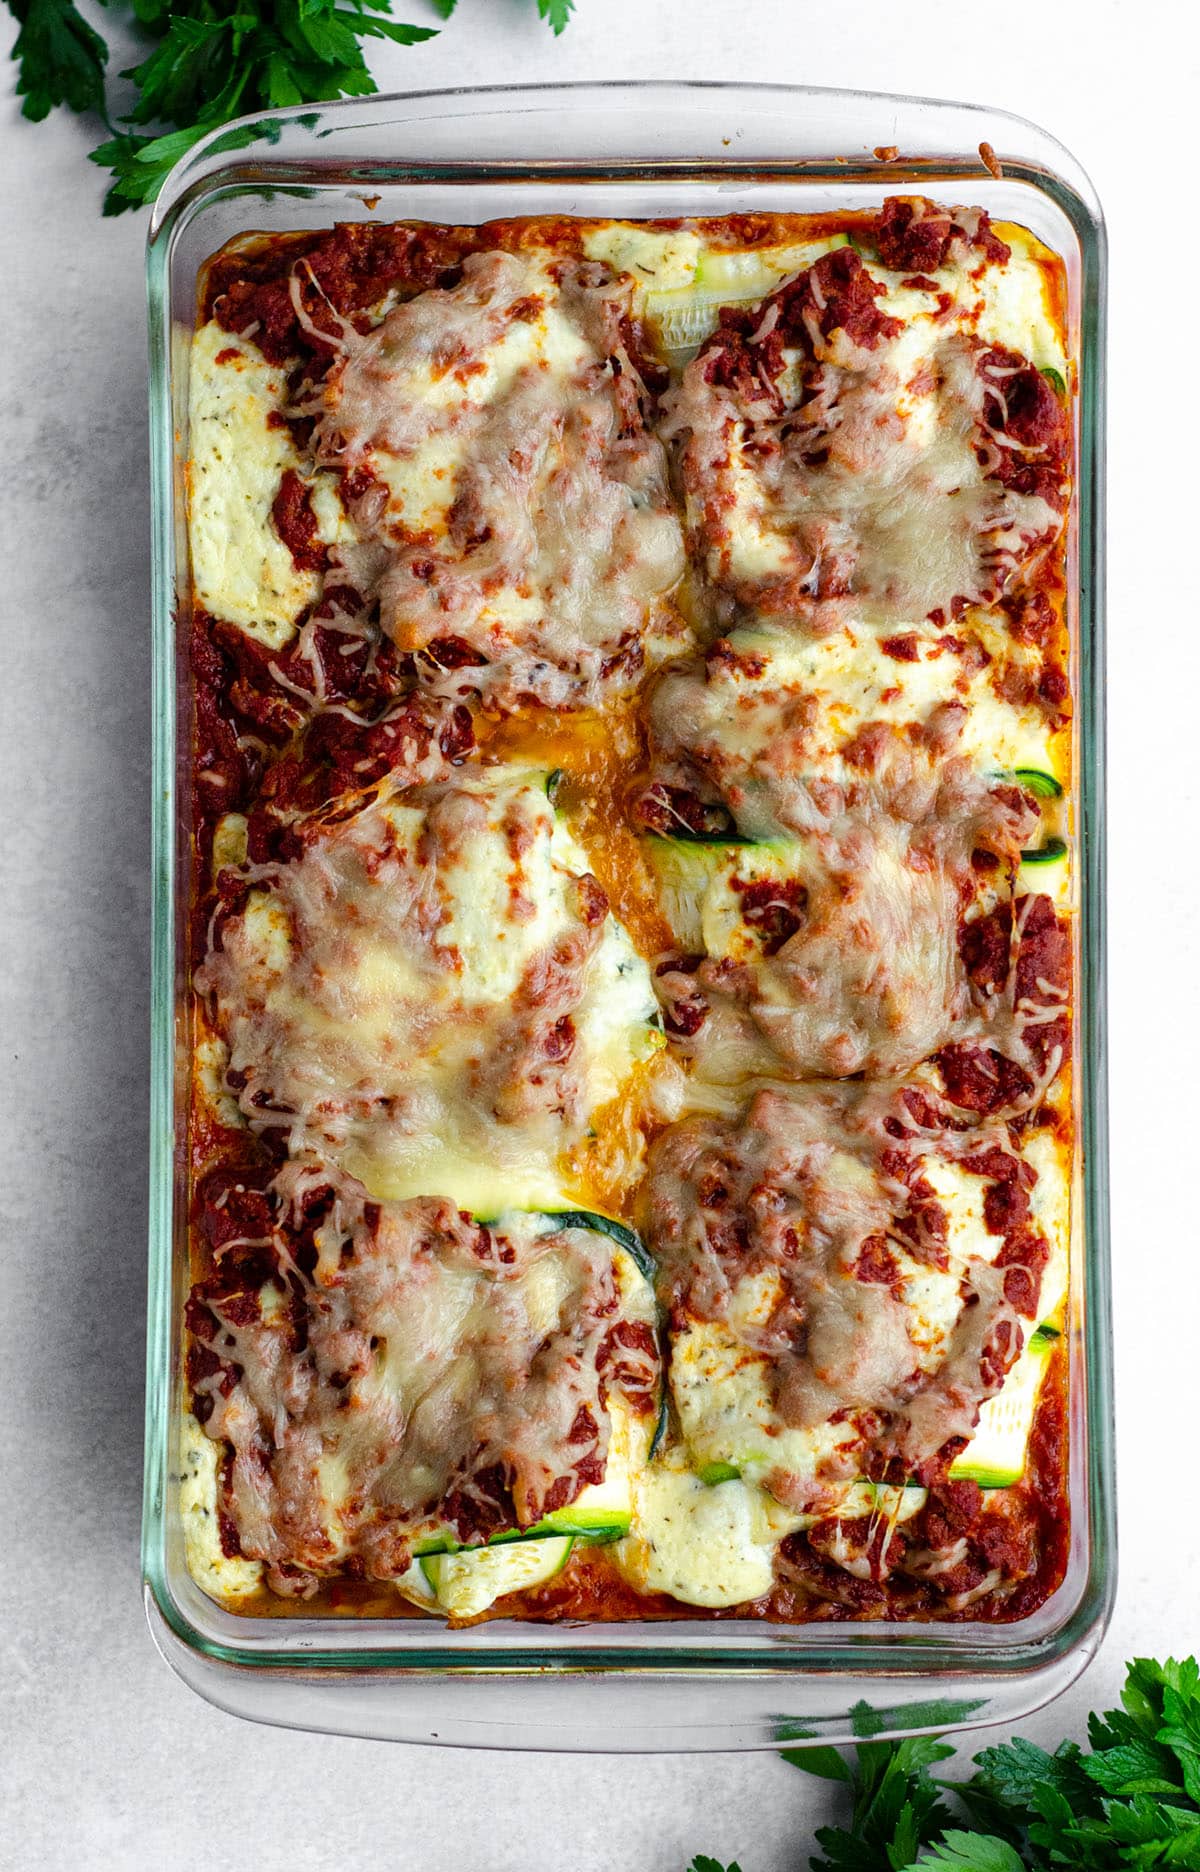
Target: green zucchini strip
{"x":1041,"y":784}
{"x":619,"y":1232}
{"x":599,"y":1516}
{"x":996,"y":1455}
{"x":1049,"y":853}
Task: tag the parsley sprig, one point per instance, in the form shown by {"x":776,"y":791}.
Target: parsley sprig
{"x":1130,"y":1800}
{"x":208,"y":61}
{"x":60,"y":59}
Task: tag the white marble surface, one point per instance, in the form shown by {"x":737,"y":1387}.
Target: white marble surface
{"x":107,"y":1761}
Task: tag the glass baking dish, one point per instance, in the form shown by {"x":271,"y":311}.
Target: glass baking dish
{"x":630,"y":151}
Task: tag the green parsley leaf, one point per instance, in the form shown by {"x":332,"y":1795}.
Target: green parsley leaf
{"x":208,"y":62}
{"x":60,"y":59}
{"x":1142,"y":1697}
{"x":1181,"y":1733}
{"x":219,"y":59}
{"x":702,"y":1863}
{"x":153,"y":14}
{"x":1130,"y":1801}
{"x":140,"y":165}
{"x":829,"y":1763}
{"x":896,"y":1803}
{"x":1017,"y":1769}
{"x":1132,"y":1768}
{"x":175,"y":81}
{"x":906,"y":1838}
{"x":969,"y":1852}
{"x":556,"y":13}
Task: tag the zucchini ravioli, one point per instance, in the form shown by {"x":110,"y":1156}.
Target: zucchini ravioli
{"x":632,"y":934}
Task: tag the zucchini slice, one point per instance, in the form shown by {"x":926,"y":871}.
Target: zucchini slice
{"x":660,"y":1429}
{"x":995,"y":1456}
{"x":685,"y":316}
{"x":602,"y":1511}
{"x":1049,"y":853}
{"x":468,"y":1583}
{"x":709,"y":838}
{"x":620,"y":1232}
{"x":683,"y":871}
{"x":714,"y":1473}
{"x":1034,"y":780}
{"x":693,"y":879}
{"x":1046,"y":872}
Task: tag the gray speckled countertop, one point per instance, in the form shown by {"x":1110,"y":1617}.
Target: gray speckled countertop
{"x":108,"y":1762}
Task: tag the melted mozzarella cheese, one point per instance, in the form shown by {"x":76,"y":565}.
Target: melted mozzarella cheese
{"x":242,"y":571}
{"x":662,"y":259}
{"x":1005,"y":305}
{"x":886,"y":486}
{"x":211,"y":1064}
{"x":705,"y":1546}
{"x":735,"y":722}
{"x":961,"y":1193}
{"x":722,"y":1392}
{"x":715,"y":1544}
{"x":229,"y":841}
{"x":1018,"y":308}
{"x":422,"y":477}
{"x":722,"y":1385}
{"x":371,"y":993}
{"x":436,"y":1357}
{"x":515,"y":500}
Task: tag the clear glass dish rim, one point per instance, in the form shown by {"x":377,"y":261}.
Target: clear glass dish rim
{"x":860,"y":1652}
